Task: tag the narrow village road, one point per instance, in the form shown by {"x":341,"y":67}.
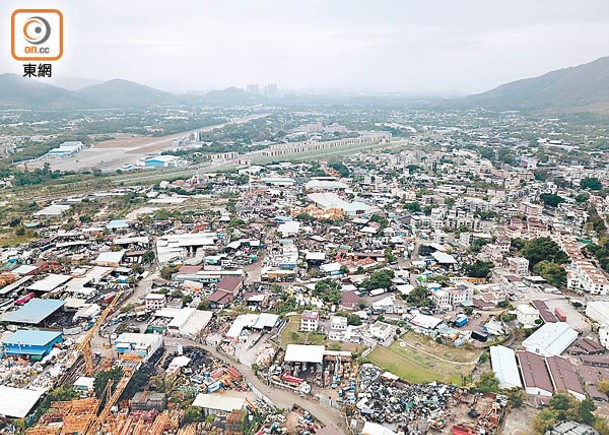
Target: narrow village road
{"x":329,"y":417}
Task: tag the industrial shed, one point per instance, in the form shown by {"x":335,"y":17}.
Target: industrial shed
{"x":302,"y":353}
{"x":34,"y":312}
{"x":551,"y":339}
{"x":503,"y":362}
{"x":31,"y":344}
{"x":49,"y":283}
{"x":17,"y":402}
{"x":534,"y":374}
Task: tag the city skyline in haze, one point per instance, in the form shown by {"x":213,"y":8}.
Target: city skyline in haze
{"x":441,"y":47}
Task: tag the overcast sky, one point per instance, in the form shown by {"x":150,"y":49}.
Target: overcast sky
{"x":440,"y":46}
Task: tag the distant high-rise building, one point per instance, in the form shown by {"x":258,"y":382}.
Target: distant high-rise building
{"x":253,"y":89}
{"x":271,"y":89}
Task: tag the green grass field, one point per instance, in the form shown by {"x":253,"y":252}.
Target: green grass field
{"x":418,"y":360}
{"x":291,"y":335}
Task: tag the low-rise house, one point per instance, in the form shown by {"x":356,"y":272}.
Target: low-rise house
{"x":382,"y":331}
{"x":338,"y":327}
{"x":309,"y":321}
{"x":527,"y":315}
{"x":155,"y":301}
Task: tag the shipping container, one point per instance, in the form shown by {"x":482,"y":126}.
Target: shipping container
{"x":24,"y":299}
{"x":560,"y":315}
{"x":480,"y":336}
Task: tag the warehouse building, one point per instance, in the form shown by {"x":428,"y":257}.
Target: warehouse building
{"x":503,"y":362}
{"x":49,"y":283}
{"x":18,"y":402}
{"x":551,"y":339}
{"x":302,"y":353}
{"x":214,"y":404}
{"x":535,"y":376}
{"x":34,"y":312}
{"x":31,"y":344}
{"x":598,"y":311}
{"x":564,"y":377}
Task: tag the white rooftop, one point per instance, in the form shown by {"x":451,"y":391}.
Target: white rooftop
{"x":304,"y":353}
{"x":17,"y":402}
{"x":49,"y":282}
{"x":551,"y":339}
{"x":503,"y":361}
{"x":222,"y":403}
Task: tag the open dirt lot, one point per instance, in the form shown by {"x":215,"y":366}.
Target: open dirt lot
{"x":112,"y":154}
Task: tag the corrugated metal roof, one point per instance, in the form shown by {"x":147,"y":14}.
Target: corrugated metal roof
{"x":35,"y":311}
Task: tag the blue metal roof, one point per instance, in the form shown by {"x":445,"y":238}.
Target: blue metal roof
{"x":117,"y":223}
{"x":35,"y":311}
{"x":27,"y":337}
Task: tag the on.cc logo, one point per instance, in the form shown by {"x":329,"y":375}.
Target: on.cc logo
{"x":36,"y":30}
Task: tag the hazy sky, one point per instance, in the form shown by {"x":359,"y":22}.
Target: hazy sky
{"x":375,"y":45}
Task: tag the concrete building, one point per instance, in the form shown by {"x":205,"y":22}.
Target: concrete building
{"x":155,"y":301}
{"x":527,"y":315}
{"x":338,"y":327}
{"x":309,"y":321}
{"x":518,"y":265}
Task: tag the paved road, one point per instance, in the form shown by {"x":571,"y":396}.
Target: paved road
{"x":329,"y":417}
{"x":143,"y":287}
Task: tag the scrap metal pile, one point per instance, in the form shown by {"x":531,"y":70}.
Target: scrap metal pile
{"x":384,"y":399}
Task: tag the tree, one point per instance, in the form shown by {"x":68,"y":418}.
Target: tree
{"x":591,"y":183}
{"x":419,"y":296}
{"x":193,"y":414}
{"x":148,"y":257}
{"x":601,"y":426}
{"x":328,"y":290}
{"x":565,"y":405}
{"x":479,"y":269}
{"x":582,"y":197}
{"x":354,"y":320}
{"x":545,"y":420}
{"x":585,"y":409}
{"x":167,"y":271}
{"x":551,"y":199}
{"x":516,"y":397}
{"x":204,"y":305}
{"x":554,"y":273}
{"x":603,"y":386}
{"x":379,"y":279}
{"x":389,"y":255}
{"x":487,"y":383}
{"x":102,"y":378}
{"x":543,"y":248}
{"x":412,"y":206}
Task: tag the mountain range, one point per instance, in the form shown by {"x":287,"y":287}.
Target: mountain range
{"x":582,"y":88}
